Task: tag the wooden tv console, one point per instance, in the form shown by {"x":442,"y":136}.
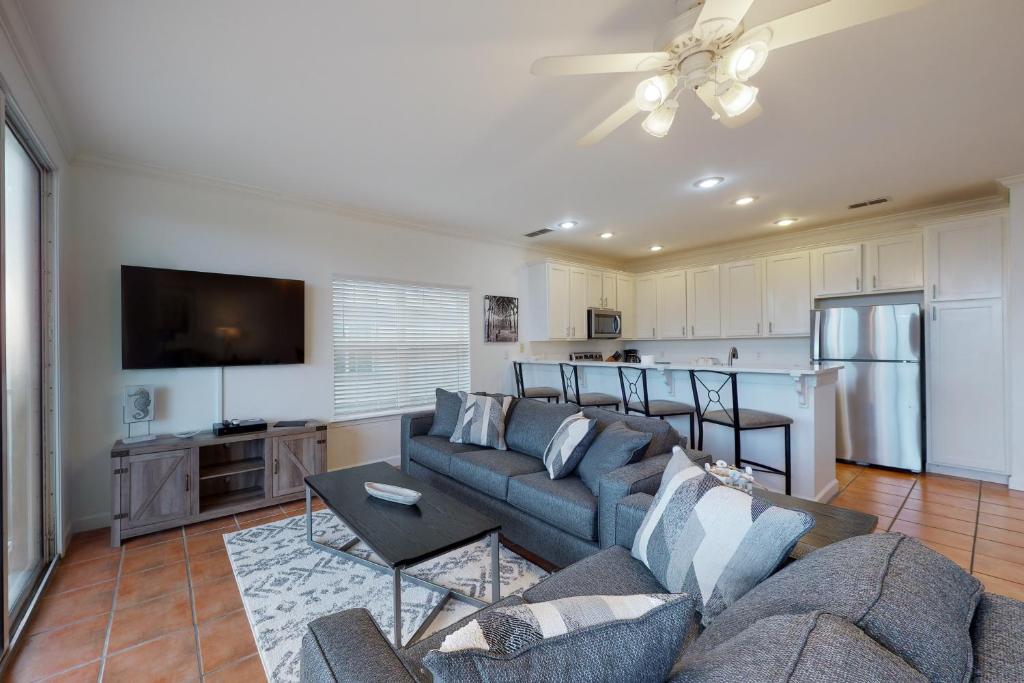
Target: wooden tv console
{"x":169,"y":481}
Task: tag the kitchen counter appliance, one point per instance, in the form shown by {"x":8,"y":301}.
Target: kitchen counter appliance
{"x":880,"y":397}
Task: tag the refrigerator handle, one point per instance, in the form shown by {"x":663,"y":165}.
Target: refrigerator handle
{"x":934,"y":314}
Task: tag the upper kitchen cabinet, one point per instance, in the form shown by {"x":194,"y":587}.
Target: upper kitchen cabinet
{"x":625,"y":293}
{"x":671,"y":298}
{"x":601,"y":289}
{"x":836,"y":270}
{"x":787,"y":287}
{"x":645,"y":307}
{"x":558,"y":302}
{"x":577,"y":303}
{"x":702,"y":302}
{"x":894,"y":263}
{"x":742,"y":306}
{"x":964,"y":258}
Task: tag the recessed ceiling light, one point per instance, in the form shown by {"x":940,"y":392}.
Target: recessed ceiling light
{"x":655,"y":247}
{"x":607,"y":235}
{"x":783,"y":222}
{"x":743,"y":201}
{"x":567,"y":225}
{"x":708,"y":183}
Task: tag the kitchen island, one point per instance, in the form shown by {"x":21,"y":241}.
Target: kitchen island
{"x":806,"y":393}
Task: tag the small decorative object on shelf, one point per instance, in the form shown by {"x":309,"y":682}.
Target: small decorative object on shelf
{"x":393,"y":494}
{"x":139,"y":405}
{"x":742,"y":480}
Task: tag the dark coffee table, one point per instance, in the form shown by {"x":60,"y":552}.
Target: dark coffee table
{"x":402,"y":535}
{"x":831,"y":523}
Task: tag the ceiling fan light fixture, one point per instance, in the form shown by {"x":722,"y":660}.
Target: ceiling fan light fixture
{"x":747,"y":57}
{"x":737,"y":98}
{"x":653,"y":92}
{"x":659,"y":121}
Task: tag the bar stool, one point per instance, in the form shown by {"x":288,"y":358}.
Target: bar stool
{"x":714,"y":384}
{"x":546,"y":393}
{"x":636,"y":400}
{"x":571,"y":388}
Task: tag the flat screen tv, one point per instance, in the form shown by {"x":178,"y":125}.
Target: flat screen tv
{"x":183,"y":319}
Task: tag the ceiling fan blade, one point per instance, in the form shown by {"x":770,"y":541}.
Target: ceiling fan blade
{"x":572,"y":65}
{"x":743,"y":119}
{"x":831,"y":16}
{"x":719,"y":18}
{"x":601,"y":131}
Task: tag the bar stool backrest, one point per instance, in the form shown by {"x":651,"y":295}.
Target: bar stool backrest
{"x":570,"y":382}
{"x":714,"y":390}
{"x":517,"y":370}
{"x":633,"y":385}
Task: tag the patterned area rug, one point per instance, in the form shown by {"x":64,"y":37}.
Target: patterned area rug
{"x":285,"y":583}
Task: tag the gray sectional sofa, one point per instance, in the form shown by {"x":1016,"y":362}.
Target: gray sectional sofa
{"x":559,"y":520}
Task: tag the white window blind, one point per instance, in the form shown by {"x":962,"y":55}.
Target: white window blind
{"x":394,"y":344}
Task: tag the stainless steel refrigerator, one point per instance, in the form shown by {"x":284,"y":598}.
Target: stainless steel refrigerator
{"x":879,"y":402}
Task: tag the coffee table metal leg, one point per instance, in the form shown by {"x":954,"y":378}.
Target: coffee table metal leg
{"x":309,"y":515}
{"x":495,"y":568}
{"x":397,"y":590}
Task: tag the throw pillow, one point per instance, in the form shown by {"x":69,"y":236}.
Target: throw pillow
{"x":798,"y":648}
{"x":710,"y":540}
{"x":909,"y":598}
{"x":617,"y":445}
{"x":532,"y":424}
{"x":481,"y":421}
{"x":446,"y":413}
{"x":598,"y":637}
{"x":567,"y":446}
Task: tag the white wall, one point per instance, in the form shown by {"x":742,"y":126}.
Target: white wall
{"x":119,"y":216}
{"x":1015,"y":331}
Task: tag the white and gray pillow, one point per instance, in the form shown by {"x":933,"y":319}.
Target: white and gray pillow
{"x":481,"y":420}
{"x":595,"y":637}
{"x":713,"y":541}
{"x":568,"y":445}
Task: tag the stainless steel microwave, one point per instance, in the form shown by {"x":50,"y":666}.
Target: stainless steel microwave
{"x":603,"y":324}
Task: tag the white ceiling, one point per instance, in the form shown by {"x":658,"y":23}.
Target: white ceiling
{"x":427,"y":110}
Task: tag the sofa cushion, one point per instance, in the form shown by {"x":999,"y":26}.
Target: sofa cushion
{"x":564,"y":503}
{"x":909,"y":598}
{"x":611,"y":571}
{"x":799,"y":648}
{"x":532,"y":424}
{"x":348,"y":646}
{"x":663,"y":435}
{"x":489,"y":471}
{"x":710,"y":540}
{"x":567,"y":446}
{"x":481,"y":420}
{"x":616,"y":638}
{"x":436,"y":452}
{"x":446,"y":413}
{"x":617,"y":445}
{"x":998,"y":637}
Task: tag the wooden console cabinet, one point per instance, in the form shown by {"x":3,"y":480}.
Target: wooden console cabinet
{"x":169,"y":482}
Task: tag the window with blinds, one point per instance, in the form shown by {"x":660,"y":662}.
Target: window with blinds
{"x":394,"y":344}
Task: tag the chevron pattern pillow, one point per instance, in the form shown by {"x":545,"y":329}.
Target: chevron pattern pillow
{"x":594,"y":637}
{"x":481,"y":420}
{"x":568,"y":445}
{"x":713,"y":541}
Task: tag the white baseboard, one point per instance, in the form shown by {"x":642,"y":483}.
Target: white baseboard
{"x":829,"y":492}
{"x":967,"y":473}
{"x":1017,"y":482}
{"x":96,"y":521}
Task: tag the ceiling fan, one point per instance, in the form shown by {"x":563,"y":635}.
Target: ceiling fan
{"x":706,"y":49}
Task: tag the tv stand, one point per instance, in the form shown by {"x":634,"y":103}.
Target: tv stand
{"x":169,"y":482}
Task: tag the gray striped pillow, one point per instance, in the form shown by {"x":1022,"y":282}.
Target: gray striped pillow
{"x":568,"y":445}
{"x":481,"y":420}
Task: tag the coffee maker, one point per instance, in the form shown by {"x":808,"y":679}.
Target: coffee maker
{"x":630,"y":356}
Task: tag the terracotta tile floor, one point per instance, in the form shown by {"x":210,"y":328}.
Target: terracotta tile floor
{"x":978,"y":525}
{"x":163,"y":607}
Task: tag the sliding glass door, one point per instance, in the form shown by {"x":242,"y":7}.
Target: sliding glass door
{"x":23,"y":372}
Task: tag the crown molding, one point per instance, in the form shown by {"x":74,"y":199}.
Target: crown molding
{"x":1013,"y":180}
{"x":23,"y":43}
{"x":866,"y":228}
{"x":212,"y":183}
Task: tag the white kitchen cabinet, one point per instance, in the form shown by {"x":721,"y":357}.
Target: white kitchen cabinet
{"x":577,"y":303}
{"x":671,"y":300}
{"x":608,"y":287}
{"x":742,"y":305}
{"x":595,"y":293}
{"x":645,"y":308}
{"x":964,"y":258}
{"x":966,"y":385}
{"x":787,"y":297}
{"x":836,"y":270}
{"x":557,"y":296}
{"x":625,"y":302}
{"x":703,"y":307}
{"x":894,"y":263}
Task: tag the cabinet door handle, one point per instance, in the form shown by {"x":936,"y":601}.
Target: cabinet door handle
{"x":857,"y":281}
{"x":275,"y":465}
{"x":935,"y":290}
{"x":935,"y":313}
{"x":769,"y":327}
{"x":693,"y":330}
{"x":758,"y":327}
{"x":652,"y":332}
{"x":874,"y":282}
{"x":188,"y":482}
